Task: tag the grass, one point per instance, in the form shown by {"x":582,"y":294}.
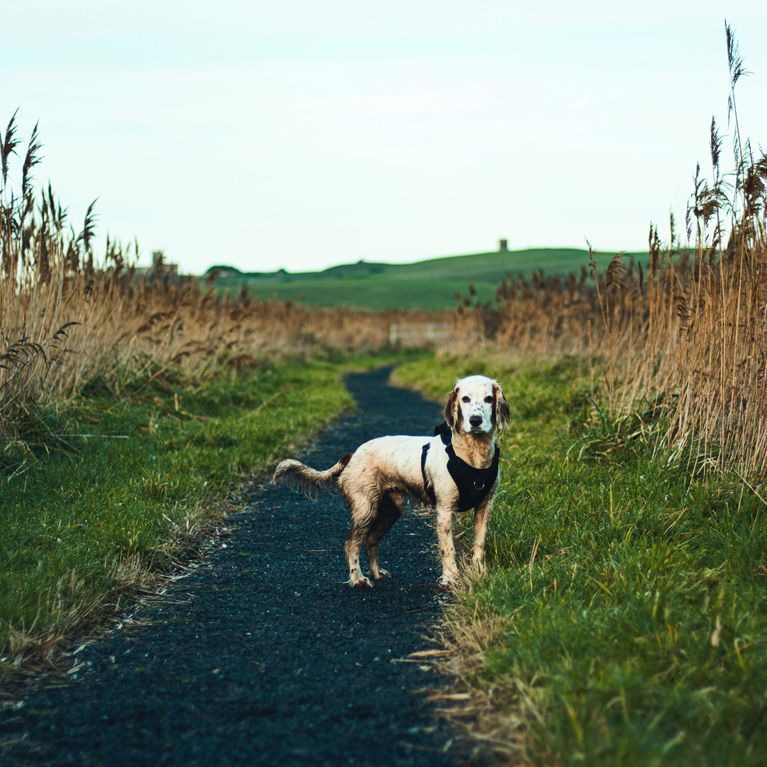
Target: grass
{"x":623,"y":620}
{"x":425,"y":285}
{"x":80,"y":529}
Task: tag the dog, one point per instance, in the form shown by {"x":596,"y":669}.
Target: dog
{"x":455,"y":470}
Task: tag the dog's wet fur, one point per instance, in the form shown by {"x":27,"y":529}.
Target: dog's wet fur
{"x":381,"y":473}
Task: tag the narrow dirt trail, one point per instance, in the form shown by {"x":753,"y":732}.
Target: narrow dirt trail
{"x":262,"y":655}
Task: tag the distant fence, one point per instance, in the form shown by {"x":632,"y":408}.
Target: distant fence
{"x":419,"y":333}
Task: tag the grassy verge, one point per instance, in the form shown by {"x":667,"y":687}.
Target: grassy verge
{"x":623,"y":620}
{"x":80,"y":530}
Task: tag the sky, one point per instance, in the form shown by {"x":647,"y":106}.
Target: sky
{"x":300,"y":134}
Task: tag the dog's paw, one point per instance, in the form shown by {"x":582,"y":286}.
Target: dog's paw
{"x":448,"y":581}
{"x":380,"y":575}
{"x":356,"y":581}
{"x":478,"y":568}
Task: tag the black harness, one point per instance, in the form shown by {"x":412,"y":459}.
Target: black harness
{"x":473,"y":484}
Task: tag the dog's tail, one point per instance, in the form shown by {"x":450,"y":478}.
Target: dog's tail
{"x":300,"y":477}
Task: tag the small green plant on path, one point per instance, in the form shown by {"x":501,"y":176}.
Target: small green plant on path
{"x":141,"y":476}
{"x":627,"y":596}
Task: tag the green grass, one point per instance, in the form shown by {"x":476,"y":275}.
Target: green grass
{"x":427,"y":285}
{"x":638,"y":635}
{"x":76,"y":525}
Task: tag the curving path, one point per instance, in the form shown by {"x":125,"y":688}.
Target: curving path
{"x":262,"y":655}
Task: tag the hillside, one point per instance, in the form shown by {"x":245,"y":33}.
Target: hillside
{"x":430,"y":284}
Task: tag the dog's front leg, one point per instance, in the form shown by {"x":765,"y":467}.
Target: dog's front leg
{"x":446,"y":546}
{"x":481,"y":519}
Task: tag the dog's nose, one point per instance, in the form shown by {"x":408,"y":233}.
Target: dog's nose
{"x":475,"y":420}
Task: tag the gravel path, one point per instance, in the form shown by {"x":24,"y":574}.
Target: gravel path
{"x":262,"y":655}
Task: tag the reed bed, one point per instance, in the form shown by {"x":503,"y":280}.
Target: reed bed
{"x":70,"y":317}
{"x":685,"y":332}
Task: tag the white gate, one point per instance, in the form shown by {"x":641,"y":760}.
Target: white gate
{"x":419,"y":333}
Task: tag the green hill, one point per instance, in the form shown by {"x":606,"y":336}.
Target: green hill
{"x":428,"y":284}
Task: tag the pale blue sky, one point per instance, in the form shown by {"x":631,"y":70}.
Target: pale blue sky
{"x":300,"y":134}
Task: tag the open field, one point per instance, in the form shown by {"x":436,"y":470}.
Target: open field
{"x":623,"y":619}
{"x":430,"y":285}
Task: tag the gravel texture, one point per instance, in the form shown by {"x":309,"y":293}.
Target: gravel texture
{"x":262,"y":655}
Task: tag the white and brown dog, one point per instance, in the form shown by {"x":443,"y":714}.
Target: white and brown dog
{"x":456,"y":470}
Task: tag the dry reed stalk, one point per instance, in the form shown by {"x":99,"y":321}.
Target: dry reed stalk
{"x":67,"y":317}
{"x":691,"y":326}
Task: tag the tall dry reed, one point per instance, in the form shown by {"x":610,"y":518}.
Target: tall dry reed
{"x":688,"y":327}
{"x":68,"y":316}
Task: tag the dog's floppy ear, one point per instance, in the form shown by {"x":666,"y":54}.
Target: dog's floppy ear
{"x":501,"y":410}
{"x":451,"y":411}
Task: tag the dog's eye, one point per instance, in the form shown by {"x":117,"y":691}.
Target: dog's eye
{"x":466,"y":399}
{"x":488,"y":399}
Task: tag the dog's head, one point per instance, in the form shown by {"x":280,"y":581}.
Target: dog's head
{"x":477,"y":406}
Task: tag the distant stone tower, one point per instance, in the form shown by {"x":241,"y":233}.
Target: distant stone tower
{"x":503,"y":245}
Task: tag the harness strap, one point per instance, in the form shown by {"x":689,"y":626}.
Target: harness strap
{"x":473,"y":484}
{"x":428,"y":489}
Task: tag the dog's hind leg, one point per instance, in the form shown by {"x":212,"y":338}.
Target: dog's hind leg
{"x":389,"y":511}
{"x":363,"y":514}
